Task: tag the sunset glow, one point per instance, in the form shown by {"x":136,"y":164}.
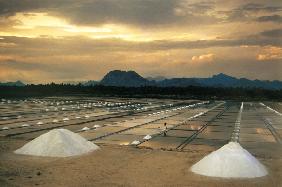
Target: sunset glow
{"x":155,"y":38}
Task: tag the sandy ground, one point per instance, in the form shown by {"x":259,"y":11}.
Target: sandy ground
{"x":121,"y":166}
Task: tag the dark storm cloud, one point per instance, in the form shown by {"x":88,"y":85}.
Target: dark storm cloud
{"x":272,"y":18}
{"x":276,"y":33}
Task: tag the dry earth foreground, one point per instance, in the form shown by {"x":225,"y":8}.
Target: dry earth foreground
{"x":135,"y":147}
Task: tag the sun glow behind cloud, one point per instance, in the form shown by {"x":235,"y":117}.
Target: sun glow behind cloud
{"x":34,"y":25}
{"x":41,"y":24}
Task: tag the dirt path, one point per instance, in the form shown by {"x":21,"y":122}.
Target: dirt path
{"x":121,"y":166}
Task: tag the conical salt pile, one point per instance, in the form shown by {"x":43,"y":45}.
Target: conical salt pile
{"x":230,"y":161}
{"x":58,"y":143}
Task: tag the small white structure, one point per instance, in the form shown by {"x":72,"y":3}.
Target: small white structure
{"x":58,"y":143}
{"x":230,"y":161}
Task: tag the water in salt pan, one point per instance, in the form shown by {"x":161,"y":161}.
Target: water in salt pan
{"x":230,"y":161}
{"x":58,"y":143}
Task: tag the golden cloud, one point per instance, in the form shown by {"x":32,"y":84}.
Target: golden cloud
{"x":270,"y":53}
{"x":204,"y":58}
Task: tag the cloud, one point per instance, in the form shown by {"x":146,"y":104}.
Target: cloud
{"x":204,"y":58}
{"x":249,"y":12}
{"x":273,"y":18}
{"x":142,"y":13}
{"x":34,"y":47}
{"x":256,"y":7}
{"x":98,"y":11}
{"x":275,"y":33}
{"x":270,"y":53}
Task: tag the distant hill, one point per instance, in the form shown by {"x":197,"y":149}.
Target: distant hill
{"x":132,"y":79}
{"x":17,"y":83}
{"x":178,"y":82}
{"x":124,"y":79}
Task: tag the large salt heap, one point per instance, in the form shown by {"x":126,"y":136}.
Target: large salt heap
{"x":58,"y":143}
{"x":230,"y":161}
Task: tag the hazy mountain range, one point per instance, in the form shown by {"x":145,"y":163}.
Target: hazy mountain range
{"x":17,"y":83}
{"x":133,"y":79}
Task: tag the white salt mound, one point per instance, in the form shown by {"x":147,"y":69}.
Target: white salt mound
{"x":230,"y":161}
{"x":57,"y":143}
{"x":85,"y":129}
{"x":135,"y":142}
{"x":147,"y":137}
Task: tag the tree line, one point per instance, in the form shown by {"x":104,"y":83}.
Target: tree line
{"x":190,"y":92}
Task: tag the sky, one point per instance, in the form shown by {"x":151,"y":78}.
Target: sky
{"x":77,"y":40}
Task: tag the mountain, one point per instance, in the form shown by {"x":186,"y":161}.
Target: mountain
{"x":178,"y":82}
{"x":132,"y":79}
{"x":124,"y":79}
{"x":219,"y":80}
{"x":17,"y":83}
